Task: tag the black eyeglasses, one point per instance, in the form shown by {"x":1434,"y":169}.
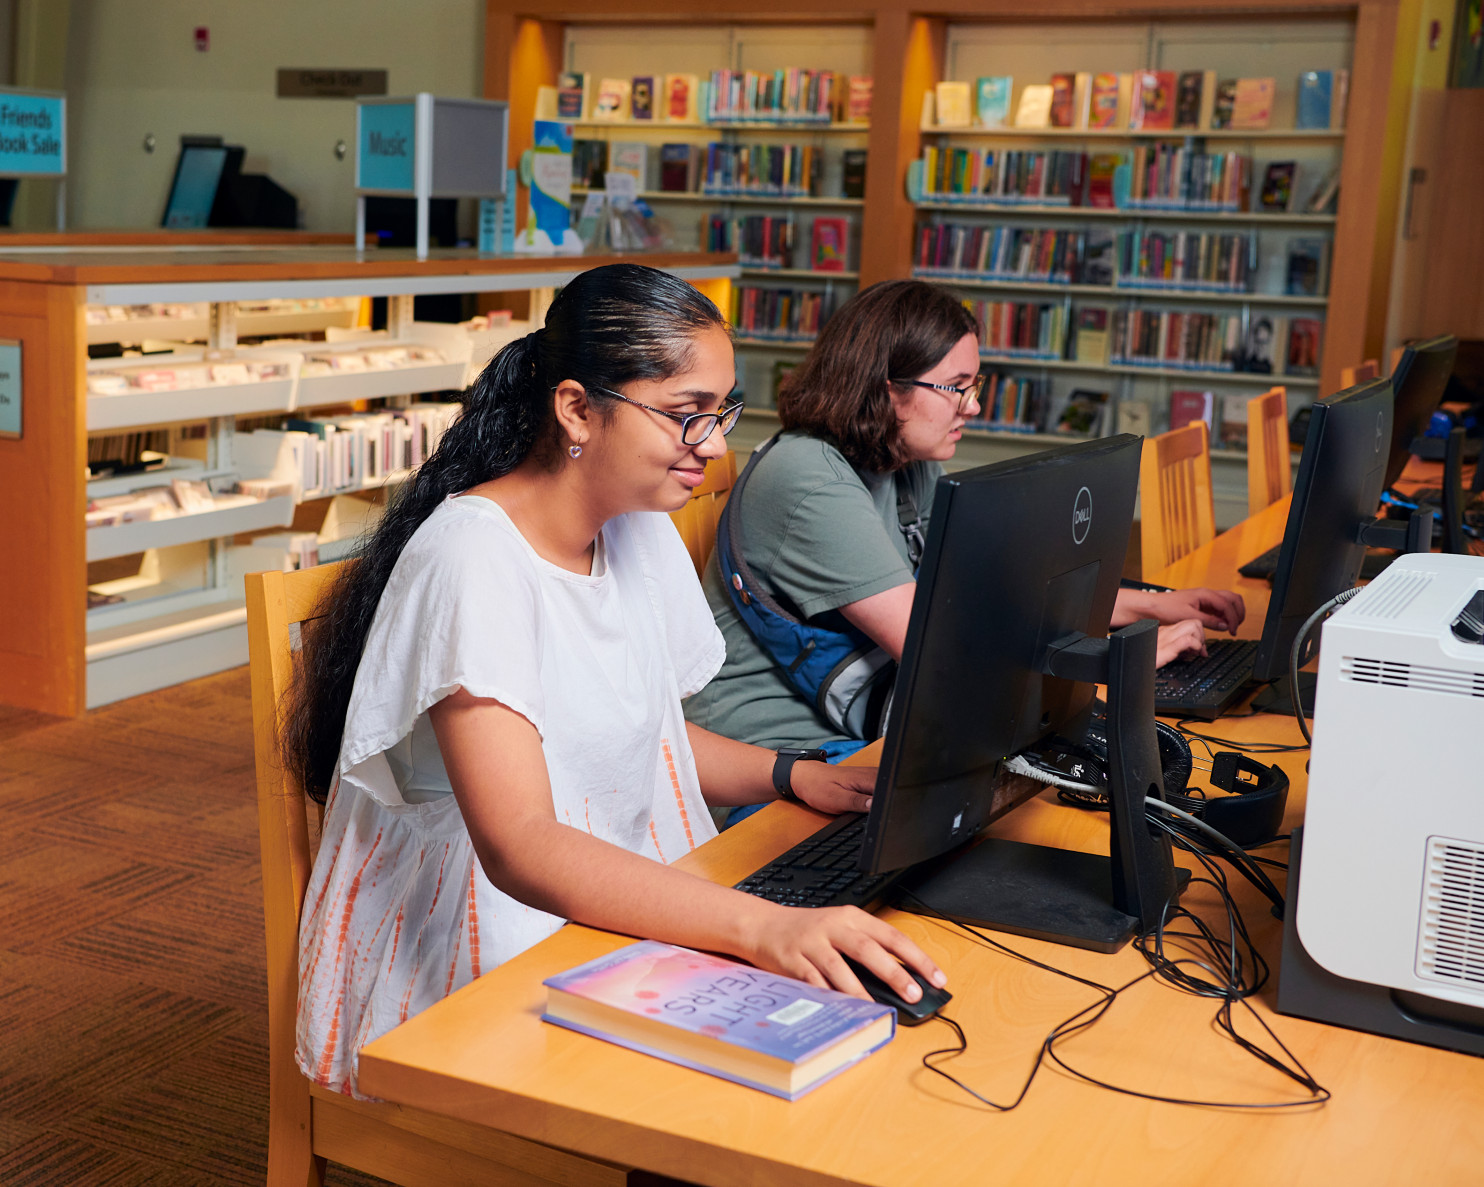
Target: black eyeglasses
{"x":970,"y":390}
{"x":695,"y":427}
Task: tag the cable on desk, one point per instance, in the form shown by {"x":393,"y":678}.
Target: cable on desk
{"x":1184,"y":726}
{"x":1298,"y":649}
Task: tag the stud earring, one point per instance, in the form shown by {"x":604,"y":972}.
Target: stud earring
{"x":574,"y":451}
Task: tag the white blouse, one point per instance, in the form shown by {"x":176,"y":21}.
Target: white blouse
{"x":398,"y":913}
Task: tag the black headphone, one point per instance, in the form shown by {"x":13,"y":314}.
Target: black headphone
{"x":1251,"y":815}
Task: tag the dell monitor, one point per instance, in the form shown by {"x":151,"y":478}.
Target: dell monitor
{"x":198,"y":172}
{"x":1420,"y":378}
{"x":1007,"y":640}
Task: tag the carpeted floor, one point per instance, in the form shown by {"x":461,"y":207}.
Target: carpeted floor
{"x":132,"y":1002}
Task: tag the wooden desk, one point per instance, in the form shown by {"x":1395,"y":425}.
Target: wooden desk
{"x":1400,"y":1113}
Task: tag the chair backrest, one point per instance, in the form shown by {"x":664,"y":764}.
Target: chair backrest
{"x":1360,"y":373}
{"x":697,"y":520}
{"x":274,"y":602}
{"x":1269,"y":469}
{"x":1176,"y":508}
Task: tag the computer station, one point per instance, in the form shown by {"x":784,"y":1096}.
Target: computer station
{"x":882,"y":596}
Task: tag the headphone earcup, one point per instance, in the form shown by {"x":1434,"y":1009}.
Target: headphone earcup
{"x":1175,"y":760}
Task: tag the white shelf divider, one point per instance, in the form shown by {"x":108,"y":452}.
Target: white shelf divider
{"x":126,"y":538}
{"x":131,"y":409}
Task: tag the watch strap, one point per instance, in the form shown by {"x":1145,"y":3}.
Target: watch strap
{"x":783,"y":767}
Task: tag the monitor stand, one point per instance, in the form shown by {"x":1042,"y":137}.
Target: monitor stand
{"x":1277,"y":697}
{"x":1082,"y":899}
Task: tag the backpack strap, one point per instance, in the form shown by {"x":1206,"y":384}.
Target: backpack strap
{"x":910,"y":521}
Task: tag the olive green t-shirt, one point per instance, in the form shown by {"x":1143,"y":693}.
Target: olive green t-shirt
{"x":819,"y":535}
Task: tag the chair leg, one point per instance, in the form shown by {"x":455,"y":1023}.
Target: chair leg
{"x":291,"y":1158}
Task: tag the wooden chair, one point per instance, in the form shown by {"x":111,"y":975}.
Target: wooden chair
{"x":307,"y":1124}
{"x":1176,"y":508}
{"x":697,"y":520}
{"x":1269,"y":470}
{"x":1360,"y":373}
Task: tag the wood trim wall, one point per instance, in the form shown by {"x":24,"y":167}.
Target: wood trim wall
{"x":1453,"y":298}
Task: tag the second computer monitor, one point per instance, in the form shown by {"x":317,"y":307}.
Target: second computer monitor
{"x":1019,"y":554}
{"x":1418,"y":383}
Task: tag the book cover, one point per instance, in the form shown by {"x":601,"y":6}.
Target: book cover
{"x":1102,"y":167}
{"x":1134,"y":416}
{"x":631,"y":157}
{"x":1315,"y":92}
{"x":613,"y":100}
{"x":547,"y":103}
{"x":1103,"y":104}
{"x":853,"y":173}
{"x":1063,"y":94}
{"x":858,"y":99}
{"x":679,"y":101}
{"x":992,"y":101}
{"x":1099,"y":257}
{"x":1190,"y":89}
{"x":1302,"y":354}
{"x":754,"y":1028}
{"x":1252,"y":106}
{"x":1258,"y":347}
{"x":1153,"y":100}
{"x":1322,"y":201}
{"x":1308,"y":268}
{"x":1092,"y":335}
{"x":1276,"y":195}
{"x":1341,"y":96}
{"x":1083,"y":413}
{"x":953,"y":104}
{"x":1034,"y":109}
{"x":678,"y":167}
{"x":1187,"y":407}
{"x":1225,"y":101}
{"x":572,"y":96}
{"x":828,"y":244}
{"x":589,"y":163}
{"x":641,"y":97}
{"x":1233,"y":431}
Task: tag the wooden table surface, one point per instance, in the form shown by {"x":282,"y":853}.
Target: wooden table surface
{"x":1400,"y":1113}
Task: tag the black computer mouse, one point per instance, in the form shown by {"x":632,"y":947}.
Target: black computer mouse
{"x":908,"y":1013}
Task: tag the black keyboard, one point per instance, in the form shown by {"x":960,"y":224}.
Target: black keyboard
{"x":1205,"y":686}
{"x":1263,"y":567}
{"x":820,"y":871}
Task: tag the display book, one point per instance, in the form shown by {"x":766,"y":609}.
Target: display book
{"x":754,"y":1028}
{"x":1140,"y":100}
{"x":784,"y":96}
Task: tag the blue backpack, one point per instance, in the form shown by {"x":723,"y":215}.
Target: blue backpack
{"x":843,"y":674}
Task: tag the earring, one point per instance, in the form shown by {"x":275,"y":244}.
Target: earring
{"x":574,"y":451}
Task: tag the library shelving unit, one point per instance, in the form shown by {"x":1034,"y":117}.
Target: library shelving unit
{"x":907,"y":52}
{"x":94,"y":608}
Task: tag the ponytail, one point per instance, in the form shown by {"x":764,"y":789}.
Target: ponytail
{"x":610,"y":326}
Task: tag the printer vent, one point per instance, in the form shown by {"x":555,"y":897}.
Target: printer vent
{"x":1451,"y":946}
{"x":1391,"y":593}
{"x":1420,"y":676}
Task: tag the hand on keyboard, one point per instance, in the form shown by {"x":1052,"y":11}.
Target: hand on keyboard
{"x":834,"y":789}
{"x":1181,"y":641}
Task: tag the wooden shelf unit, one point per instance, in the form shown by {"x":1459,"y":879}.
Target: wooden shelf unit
{"x":57,"y":656}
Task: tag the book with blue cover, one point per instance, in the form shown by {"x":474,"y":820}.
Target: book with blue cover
{"x":752,"y":1027}
{"x":1315,"y":93}
{"x":992,"y":101}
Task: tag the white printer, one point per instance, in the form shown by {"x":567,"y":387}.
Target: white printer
{"x":1385,"y":923}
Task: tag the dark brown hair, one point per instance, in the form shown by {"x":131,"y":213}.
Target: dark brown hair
{"x":898,"y":329}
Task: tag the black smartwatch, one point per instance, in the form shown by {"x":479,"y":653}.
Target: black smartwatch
{"x":783,"y":767}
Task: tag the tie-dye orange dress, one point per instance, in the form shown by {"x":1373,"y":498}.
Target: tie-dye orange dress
{"x":398,"y":912}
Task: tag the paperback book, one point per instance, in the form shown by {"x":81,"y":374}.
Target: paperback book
{"x":828,"y":240}
{"x":1063,"y":95}
{"x":853,"y":173}
{"x":1233,"y":431}
{"x":641,"y":97}
{"x":1034,"y":110}
{"x":1109,"y":100}
{"x":1223,"y":104}
{"x":1315,"y":95}
{"x":1188,"y":406}
{"x":1276,"y":195}
{"x":613,"y":100}
{"x":1195,"y":96}
{"x":1153,"y":101}
{"x":571,"y":96}
{"x":1302,"y":354}
{"x":1252,"y":104}
{"x":953,"y":104}
{"x":680,"y":97}
{"x":754,"y":1028}
{"x":992,"y":101}
{"x":858,"y":99}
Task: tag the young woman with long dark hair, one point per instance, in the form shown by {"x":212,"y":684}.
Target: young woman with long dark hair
{"x":876,"y":407}
{"x":492,"y":704}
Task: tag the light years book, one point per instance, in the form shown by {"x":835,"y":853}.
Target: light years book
{"x":752,"y":1027}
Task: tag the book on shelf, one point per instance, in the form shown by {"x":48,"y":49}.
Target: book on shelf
{"x":760,"y":240}
{"x":1091,"y":342}
{"x":1302,"y":355}
{"x":1195,"y":96}
{"x":1307,"y":273}
{"x":1200,"y":261}
{"x":679,"y":100}
{"x":1063,"y":112}
{"x":829,"y":240}
{"x":546,"y":103}
{"x":680,"y":167}
{"x":998,"y":176}
{"x":1099,"y":257}
{"x":631,"y":157}
{"x":1084,"y":413}
{"x":1263,"y":345}
{"x":1153,"y":101}
{"x":641,"y":97}
{"x":1022,"y":329}
{"x":1322,"y":200}
{"x":1135,"y":417}
{"x":952,"y":100}
{"x":1011,"y":403}
{"x":1276,"y":195}
{"x":858,"y":98}
{"x":853,"y":173}
{"x":782,"y":369}
{"x":1340,"y":98}
{"x":1315,"y":98}
{"x":1233,"y":431}
{"x":759,"y":1029}
{"x":992,"y":101}
{"x":788,"y":94}
{"x":1175,"y":177}
{"x":1102,"y":169}
{"x":780,"y":314}
{"x":1110,"y":98}
{"x":1034,"y":108}
{"x":1252,"y":105}
{"x":773,"y":170}
{"x":1223,"y":103}
{"x":613,"y":100}
{"x":1186,"y":407}
{"x":1175,"y":340}
{"x":589,"y":163}
{"x":1003,"y":252}
{"x":572,"y":96}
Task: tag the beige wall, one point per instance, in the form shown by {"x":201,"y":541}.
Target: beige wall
{"x":133,"y":70}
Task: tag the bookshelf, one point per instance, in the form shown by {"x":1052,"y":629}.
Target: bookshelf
{"x":118,"y":596}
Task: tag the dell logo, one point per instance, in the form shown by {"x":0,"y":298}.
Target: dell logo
{"x":1081,"y":515}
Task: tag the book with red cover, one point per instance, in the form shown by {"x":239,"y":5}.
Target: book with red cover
{"x":1103,"y":111}
{"x":759,"y":1029}
{"x":1188,"y":406}
{"x":1100,"y":172}
{"x":1154,"y":100}
{"x":828,"y":240}
{"x":1063,"y":90}
{"x":1252,"y":104}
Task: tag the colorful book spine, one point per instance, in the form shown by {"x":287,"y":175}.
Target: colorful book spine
{"x":1022,"y":329}
{"x":780,"y":314}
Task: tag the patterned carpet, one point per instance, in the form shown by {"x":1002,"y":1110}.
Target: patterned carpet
{"x":132,"y":1002}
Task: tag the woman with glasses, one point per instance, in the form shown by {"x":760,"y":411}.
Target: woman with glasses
{"x":828,"y":514}
{"x":491,"y":703}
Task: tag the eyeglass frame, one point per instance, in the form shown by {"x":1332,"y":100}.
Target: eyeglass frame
{"x":970,"y":390}
{"x":684,"y":419}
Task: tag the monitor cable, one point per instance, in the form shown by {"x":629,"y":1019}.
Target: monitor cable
{"x":1298,"y":649}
